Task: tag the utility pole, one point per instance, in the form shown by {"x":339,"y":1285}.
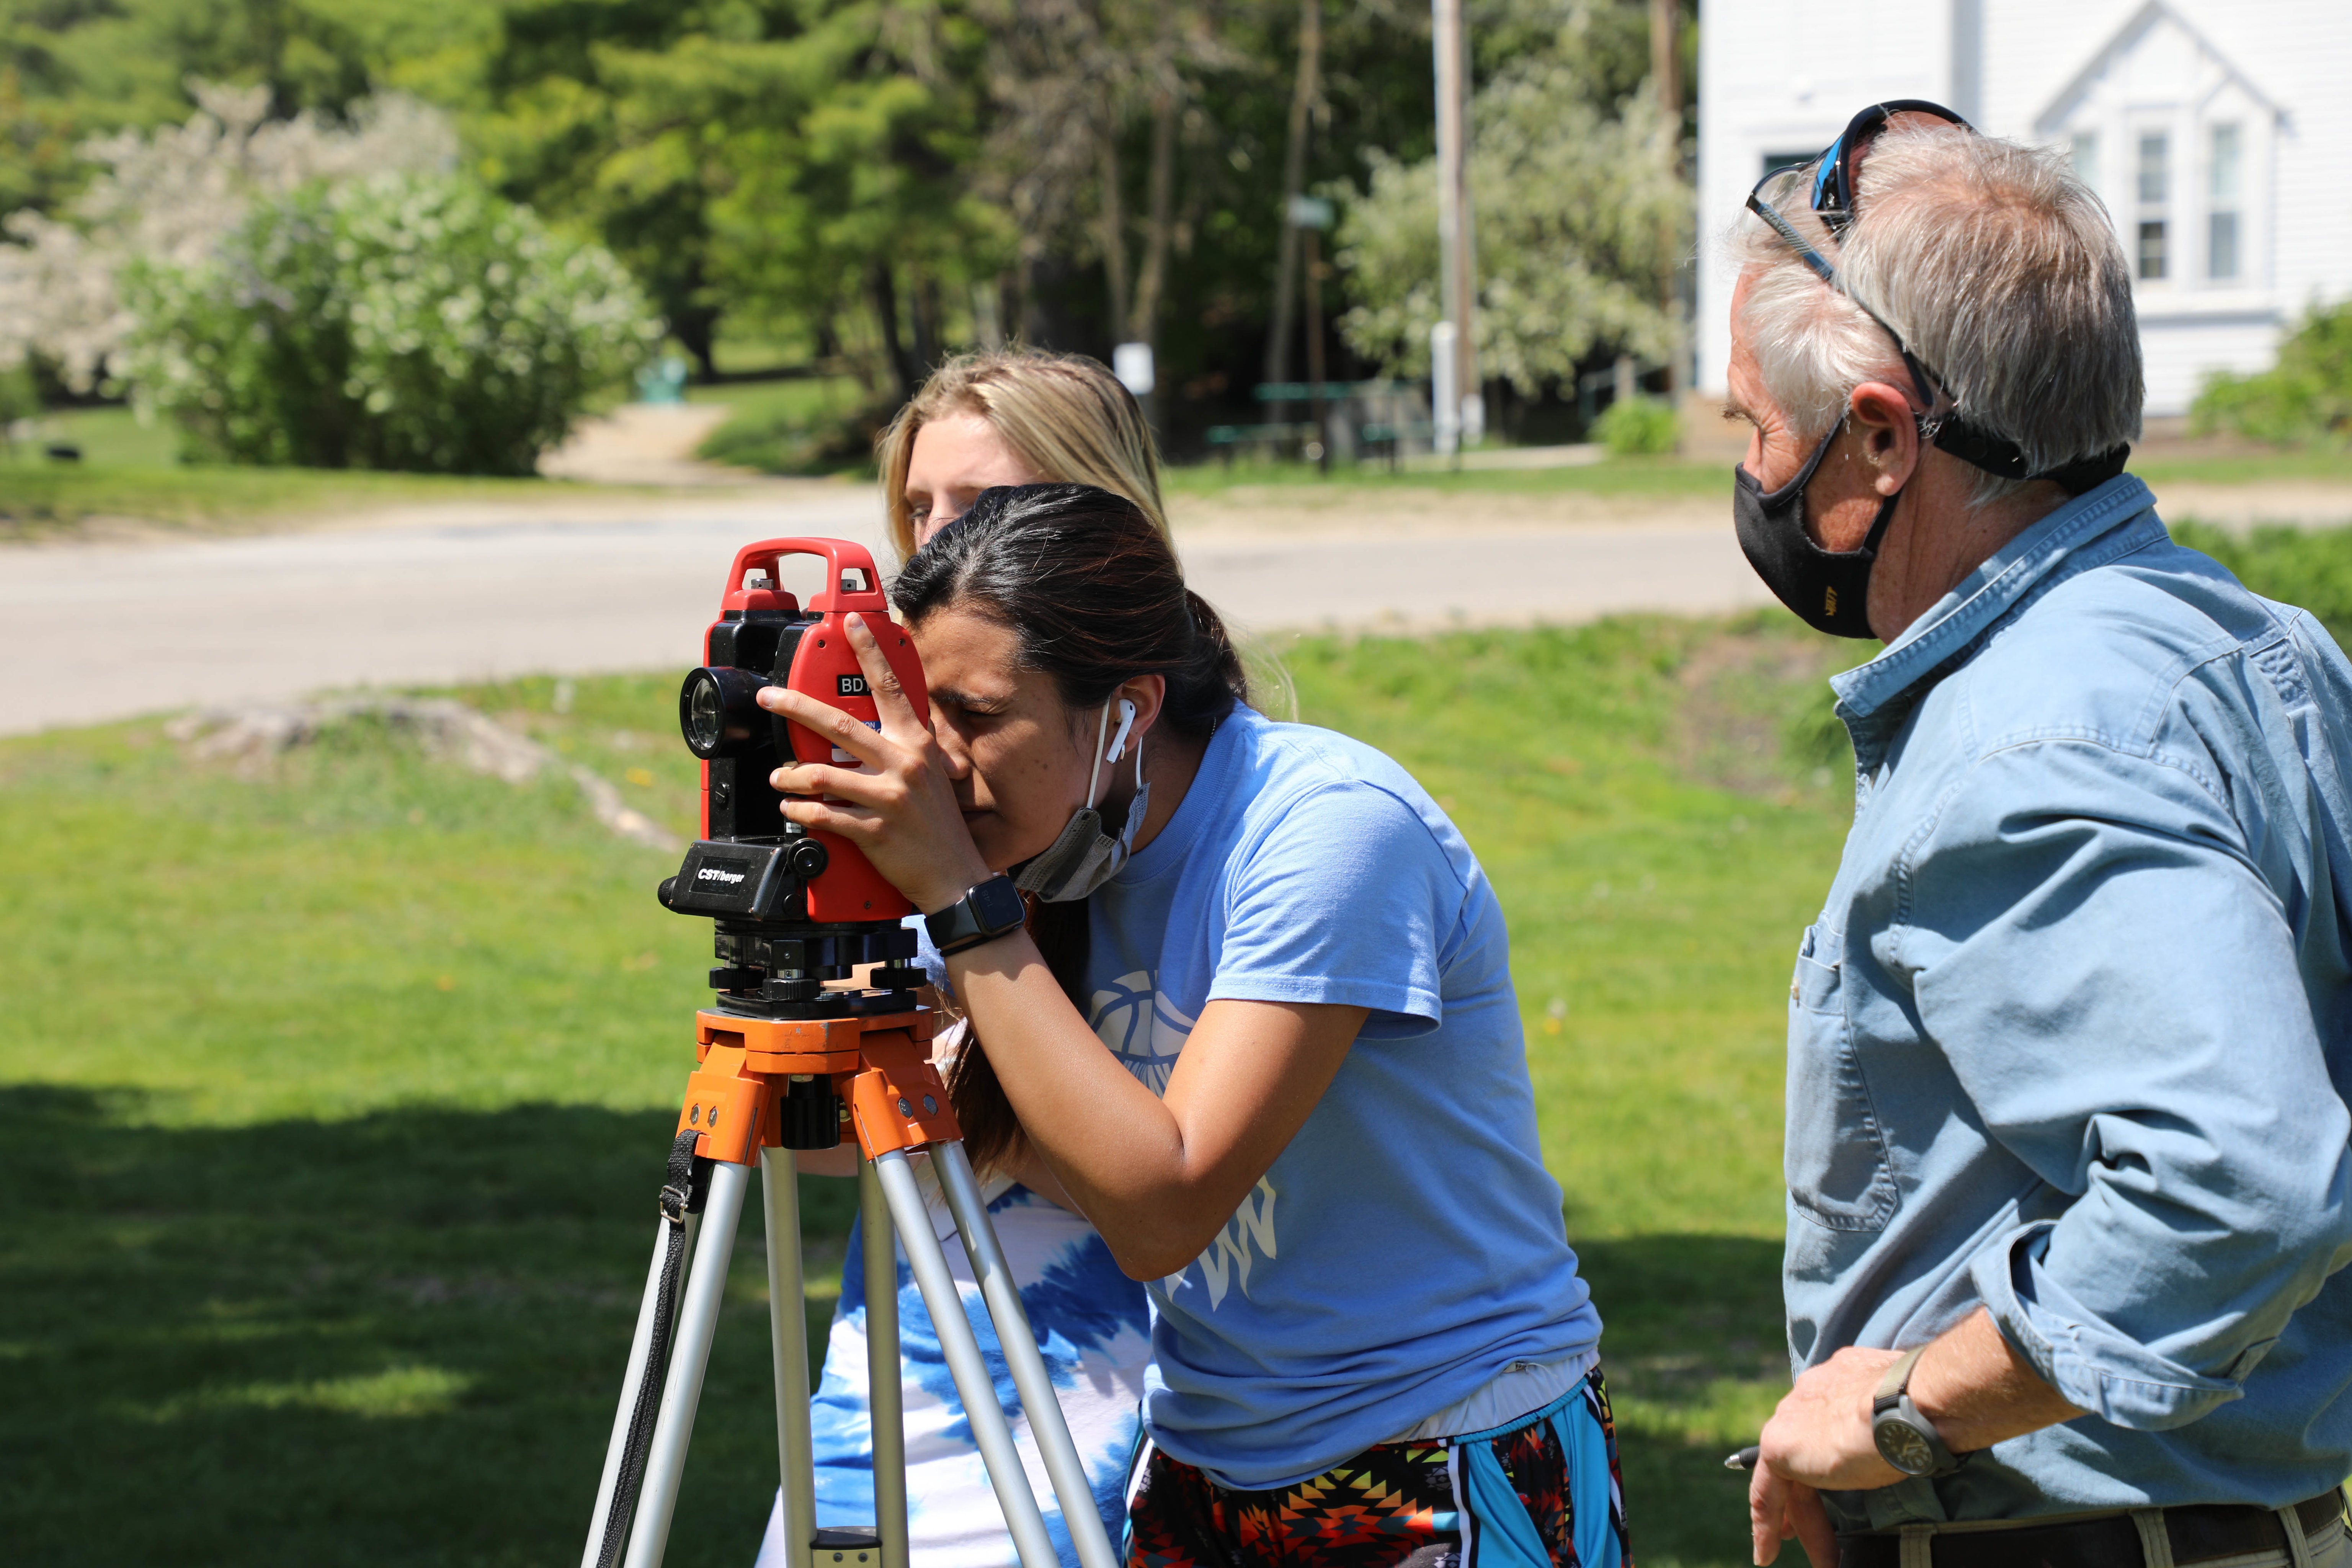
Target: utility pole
{"x":1665,"y":71}
{"x":1458,"y":279}
{"x":1313,"y":238}
{"x":1305,"y":89}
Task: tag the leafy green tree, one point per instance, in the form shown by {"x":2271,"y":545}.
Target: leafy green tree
{"x":802,"y":159}
{"x":864,"y":195}
{"x":1578,"y":205}
{"x":1142,"y":149}
{"x":883,"y":182}
{"x":549,"y":129}
{"x":70,"y":70}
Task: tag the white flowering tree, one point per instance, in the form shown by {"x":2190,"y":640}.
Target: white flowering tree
{"x":171,"y":196}
{"x":328,"y":294}
{"x":1575,"y":205}
{"x":412,"y":322}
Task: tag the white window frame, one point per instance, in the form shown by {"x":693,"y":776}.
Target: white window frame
{"x":2165,"y":210}
{"x":2210,"y":146}
{"x":2104,"y":108}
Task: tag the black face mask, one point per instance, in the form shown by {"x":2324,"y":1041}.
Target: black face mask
{"x":1828,"y":589}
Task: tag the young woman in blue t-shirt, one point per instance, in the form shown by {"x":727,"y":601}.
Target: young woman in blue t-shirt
{"x":1263,"y":1038}
{"x":1014,"y":417}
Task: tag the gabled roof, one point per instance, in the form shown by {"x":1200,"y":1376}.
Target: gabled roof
{"x":2126,"y":38}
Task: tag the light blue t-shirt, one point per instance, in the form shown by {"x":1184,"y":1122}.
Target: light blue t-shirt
{"x":1407,"y":1246}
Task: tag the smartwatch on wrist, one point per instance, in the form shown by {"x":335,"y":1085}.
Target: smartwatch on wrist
{"x":983,"y":914}
{"x":1906,"y":1439}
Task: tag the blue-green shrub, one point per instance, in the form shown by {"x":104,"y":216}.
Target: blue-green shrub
{"x":417,"y":322}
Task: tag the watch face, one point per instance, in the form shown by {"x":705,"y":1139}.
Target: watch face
{"x":1903,"y":1446}
{"x":997,"y":903}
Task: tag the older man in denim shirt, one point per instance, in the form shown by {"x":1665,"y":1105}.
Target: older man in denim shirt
{"x":2069,"y":1045}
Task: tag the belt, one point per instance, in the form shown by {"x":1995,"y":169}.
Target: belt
{"x":2200,"y":1533}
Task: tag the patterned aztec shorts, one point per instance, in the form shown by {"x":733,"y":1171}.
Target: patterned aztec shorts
{"x":1392,"y":1505}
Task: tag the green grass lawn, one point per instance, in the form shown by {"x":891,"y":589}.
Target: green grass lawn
{"x":333,"y":1098}
{"x":332,"y":1094}
{"x":798,"y":425}
{"x":803,"y":424}
{"x":1648,"y":476}
{"x":131,"y":471}
{"x":1675,"y":477}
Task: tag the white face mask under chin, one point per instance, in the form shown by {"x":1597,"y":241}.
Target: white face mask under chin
{"x":1084,"y":857}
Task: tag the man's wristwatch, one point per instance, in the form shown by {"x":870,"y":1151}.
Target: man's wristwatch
{"x":983,"y":914}
{"x":1906,"y":1439}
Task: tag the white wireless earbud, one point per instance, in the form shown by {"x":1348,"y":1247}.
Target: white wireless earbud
{"x":1126,"y":723}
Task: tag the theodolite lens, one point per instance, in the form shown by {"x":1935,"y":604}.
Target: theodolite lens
{"x":719,"y":710}
{"x":705,"y":717}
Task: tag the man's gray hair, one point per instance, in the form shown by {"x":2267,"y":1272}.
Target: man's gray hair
{"x":2000,"y":269}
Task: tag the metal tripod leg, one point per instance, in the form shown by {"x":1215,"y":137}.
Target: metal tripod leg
{"x":960,"y":1348}
{"x":788,"y":1338}
{"x":885,"y":1397}
{"x":1030,"y":1378}
{"x":698,"y":1322}
{"x":617,"y":1449}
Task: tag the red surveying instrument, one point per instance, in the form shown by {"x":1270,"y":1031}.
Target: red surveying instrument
{"x":787,"y":1062}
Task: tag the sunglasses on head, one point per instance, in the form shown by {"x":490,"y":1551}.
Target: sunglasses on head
{"x":1836,"y":172}
{"x":1834,"y":191}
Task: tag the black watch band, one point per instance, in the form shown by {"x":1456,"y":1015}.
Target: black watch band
{"x":1906,"y":1438}
{"x":983,"y":914}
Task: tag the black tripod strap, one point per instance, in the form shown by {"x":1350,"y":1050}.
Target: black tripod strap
{"x":679,"y":1195}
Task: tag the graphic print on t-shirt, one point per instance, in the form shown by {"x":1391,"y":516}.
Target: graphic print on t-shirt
{"x":1227,"y":1261}
{"x":1143,"y":1029}
{"x":1146,"y":1032}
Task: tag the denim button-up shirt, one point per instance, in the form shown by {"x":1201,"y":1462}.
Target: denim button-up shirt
{"x":2072,"y":1040}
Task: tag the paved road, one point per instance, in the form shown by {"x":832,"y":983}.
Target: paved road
{"x":96,"y":632}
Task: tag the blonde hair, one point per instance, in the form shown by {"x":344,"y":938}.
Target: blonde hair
{"x":1066,"y":417}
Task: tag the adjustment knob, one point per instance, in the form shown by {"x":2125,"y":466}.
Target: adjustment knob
{"x":808,"y":860}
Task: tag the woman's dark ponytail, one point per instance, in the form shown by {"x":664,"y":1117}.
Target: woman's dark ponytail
{"x":1094,"y":595}
{"x":1213,"y":679}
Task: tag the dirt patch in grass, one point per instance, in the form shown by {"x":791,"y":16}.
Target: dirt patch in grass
{"x":1756,"y":715}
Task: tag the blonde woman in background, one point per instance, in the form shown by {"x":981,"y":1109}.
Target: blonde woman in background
{"x":1017,"y":417}
{"x":1009,"y":418}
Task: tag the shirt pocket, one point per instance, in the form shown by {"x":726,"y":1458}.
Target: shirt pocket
{"x":1834,"y":1158}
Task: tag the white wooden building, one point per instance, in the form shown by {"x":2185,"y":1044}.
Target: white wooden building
{"x":2219,"y":133}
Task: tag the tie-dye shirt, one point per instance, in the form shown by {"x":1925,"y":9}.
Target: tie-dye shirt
{"x":1092,"y":1323}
